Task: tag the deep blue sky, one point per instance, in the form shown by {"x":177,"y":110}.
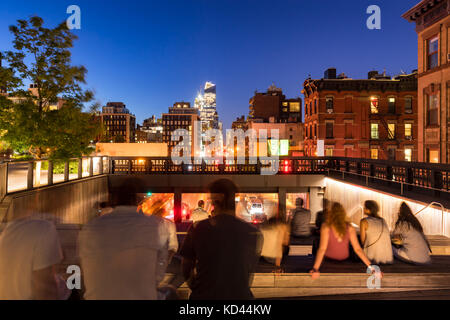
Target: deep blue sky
{"x":150,"y":54}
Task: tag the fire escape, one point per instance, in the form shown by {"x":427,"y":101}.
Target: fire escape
{"x":375,"y":114}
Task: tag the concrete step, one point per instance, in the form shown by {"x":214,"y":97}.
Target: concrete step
{"x":301,"y":285}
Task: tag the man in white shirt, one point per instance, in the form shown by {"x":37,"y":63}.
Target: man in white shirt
{"x":200,"y":213}
{"x":121,"y":252}
{"x":29,"y":251}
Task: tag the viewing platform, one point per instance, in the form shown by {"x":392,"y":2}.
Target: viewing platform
{"x":71,"y":196}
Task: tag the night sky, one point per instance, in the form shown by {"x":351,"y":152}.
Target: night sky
{"x":150,"y":54}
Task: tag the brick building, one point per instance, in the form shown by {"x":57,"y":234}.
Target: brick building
{"x":180,"y":116}
{"x":273,"y":103}
{"x":368,"y":118}
{"x":432,"y":21}
{"x":119,"y":124}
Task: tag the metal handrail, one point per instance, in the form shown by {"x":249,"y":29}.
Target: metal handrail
{"x":434,"y":203}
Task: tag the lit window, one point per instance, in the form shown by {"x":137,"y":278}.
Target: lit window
{"x":285,"y":104}
{"x":328,"y":152}
{"x":433,"y":156}
{"x":432,"y":52}
{"x":408,"y":154}
{"x":294,"y":107}
{"x":408,"y":130}
{"x":391,"y":130}
{"x":374,"y":153}
{"x":374,"y":131}
{"x":373,"y":105}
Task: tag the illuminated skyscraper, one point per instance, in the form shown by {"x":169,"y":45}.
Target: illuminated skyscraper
{"x":206,"y":105}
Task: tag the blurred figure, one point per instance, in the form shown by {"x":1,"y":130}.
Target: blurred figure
{"x":301,"y":220}
{"x":159,"y":211}
{"x":200,"y":213}
{"x":320,"y":219}
{"x":120,"y":252}
{"x":375,"y":235}
{"x":220,"y":254}
{"x":276,"y":242}
{"x":336,"y":234}
{"x":408,"y":235}
{"x":29,"y":252}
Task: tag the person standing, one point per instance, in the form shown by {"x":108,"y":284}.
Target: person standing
{"x":199,"y":213}
{"x":121,"y":252}
{"x":30,"y":250}
{"x":220,"y":254}
{"x":375,"y":235}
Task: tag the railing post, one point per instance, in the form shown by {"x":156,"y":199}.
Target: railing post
{"x":347,"y":166}
{"x":148,"y":165}
{"x":313,"y":165}
{"x":281,"y":204}
{"x":437,"y":179}
{"x":30,"y":177}
{"x":91,"y":166}
{"x":358,"y":167}
{"x":50,"y":173}
{"x":389,"y":173}
{"x":130,"y":166}
{"x":294,"y":166}
{"x":112,"y":164}
{"x":258,"y":166}
{"x":3,"y":179}
{"x":177,"y":203}
{"x":80,"y":168}
{"x":100,"y":166}
{"x":66,"y":170}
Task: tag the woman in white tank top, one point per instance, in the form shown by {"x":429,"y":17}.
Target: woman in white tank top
{"x":375,"y":235}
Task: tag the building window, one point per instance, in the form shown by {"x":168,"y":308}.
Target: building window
{"x":408,"y":105}
{"x":348,"y":130}
{"x":408,"y":131}
{"x":408,"y":154}
{"x":315,"y":106}
{"x":294,"y":107}
{"x":329,"y":130}
{"x":373,"y":105}
{"x":373,"y":153}
{"x":391,"y":153}
{"x":433,"y":156}
{"x":432,"y":52}
{"x":328,"y":152}
{"x":374,"y":131}
{"x":391,"y":104}
{"x":329,"y":104}
{"x":391,"y":131}
{"x":432,"y":109}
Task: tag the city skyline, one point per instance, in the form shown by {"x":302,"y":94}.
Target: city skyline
{"x":167,"y":58}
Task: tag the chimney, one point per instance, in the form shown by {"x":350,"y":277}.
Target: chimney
{"x":372,"y":74}
{"x":330,"y":73}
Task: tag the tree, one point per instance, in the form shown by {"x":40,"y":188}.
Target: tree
{"x":28,"y":122}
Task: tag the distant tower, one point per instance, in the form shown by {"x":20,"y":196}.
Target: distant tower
{"x":206,"y":105}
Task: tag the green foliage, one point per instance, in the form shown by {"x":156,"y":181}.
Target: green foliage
{"x":42,"y":56}
{"x":58,"y":166}
{"x":22,"y":157}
